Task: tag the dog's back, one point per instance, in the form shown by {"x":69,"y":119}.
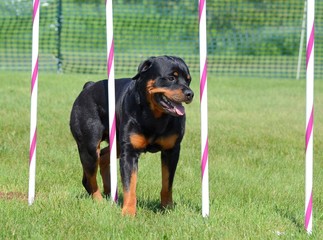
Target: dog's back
{"x":90,"y":109}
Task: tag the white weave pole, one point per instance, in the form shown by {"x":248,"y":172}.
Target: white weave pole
{"x":300,"y":51}
{"x":33,"y":104}
{"x":204,"y":112}
{"x":308,"y":221}
{"x":112,"y":112}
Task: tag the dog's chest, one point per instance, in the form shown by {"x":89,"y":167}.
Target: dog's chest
{"x":153,"y":143}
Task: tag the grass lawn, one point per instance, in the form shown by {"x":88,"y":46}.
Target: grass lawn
{"x":256,"y":166}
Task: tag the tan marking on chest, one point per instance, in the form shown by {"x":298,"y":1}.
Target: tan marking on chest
{"x":138,"y":141}
{"x":167,"y":142}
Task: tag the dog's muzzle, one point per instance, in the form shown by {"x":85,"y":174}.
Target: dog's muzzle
{"x":189,"y":94}
{"x":174,"y":106}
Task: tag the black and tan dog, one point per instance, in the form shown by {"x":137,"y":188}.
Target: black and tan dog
{"x":150,"y":118}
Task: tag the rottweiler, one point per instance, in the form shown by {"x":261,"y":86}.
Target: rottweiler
{"x":150,"y":117}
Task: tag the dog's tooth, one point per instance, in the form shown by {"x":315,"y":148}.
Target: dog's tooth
{"x":165,"y":99}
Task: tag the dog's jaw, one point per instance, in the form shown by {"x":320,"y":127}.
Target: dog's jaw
{"x":165,"y":101}
{"x":171,"y":107}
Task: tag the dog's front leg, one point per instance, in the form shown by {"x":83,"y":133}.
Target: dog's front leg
{"x":169,"y":160}
{"x":129,"y":170}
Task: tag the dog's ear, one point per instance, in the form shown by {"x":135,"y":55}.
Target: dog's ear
{"x":143,"y":67}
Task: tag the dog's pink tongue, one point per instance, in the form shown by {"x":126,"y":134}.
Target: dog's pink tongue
{"x":180,"y":110}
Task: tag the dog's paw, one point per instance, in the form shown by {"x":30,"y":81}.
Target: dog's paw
{"x":167,"y":205}
{"x":129,"y":211}
{"x":96,"y":196}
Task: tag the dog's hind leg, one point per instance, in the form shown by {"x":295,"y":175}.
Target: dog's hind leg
{"x":90,"y":160}
{"x":105,"y":170}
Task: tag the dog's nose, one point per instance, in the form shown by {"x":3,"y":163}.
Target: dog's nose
{"x":189,"y":94}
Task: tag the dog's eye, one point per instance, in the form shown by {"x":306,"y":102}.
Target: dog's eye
{"x":172,"y":78}
{"x":188,"y":79}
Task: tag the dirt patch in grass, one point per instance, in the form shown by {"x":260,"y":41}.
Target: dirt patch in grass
{"x":13,"y":196}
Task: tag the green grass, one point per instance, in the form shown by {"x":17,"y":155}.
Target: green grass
{"x":256,"y":166}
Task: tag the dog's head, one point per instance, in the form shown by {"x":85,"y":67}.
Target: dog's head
{"x":166,"y":81}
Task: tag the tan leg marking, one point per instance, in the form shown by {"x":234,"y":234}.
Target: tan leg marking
{"x":129,"y":197}
{"x":166,"y":194}
{"x":105,"y":170}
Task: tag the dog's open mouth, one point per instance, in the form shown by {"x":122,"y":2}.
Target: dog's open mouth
{"x":172,"y":107}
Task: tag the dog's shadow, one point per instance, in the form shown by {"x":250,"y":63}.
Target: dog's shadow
{"x":152,"y":205}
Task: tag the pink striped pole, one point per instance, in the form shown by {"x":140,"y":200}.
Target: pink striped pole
{"x":33,"y":108}
{"x":308,"y":223}
{"x":204,"y":112}
{"x":112,"y":112}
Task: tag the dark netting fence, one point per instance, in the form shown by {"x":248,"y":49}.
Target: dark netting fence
{"x":245,"y":37}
